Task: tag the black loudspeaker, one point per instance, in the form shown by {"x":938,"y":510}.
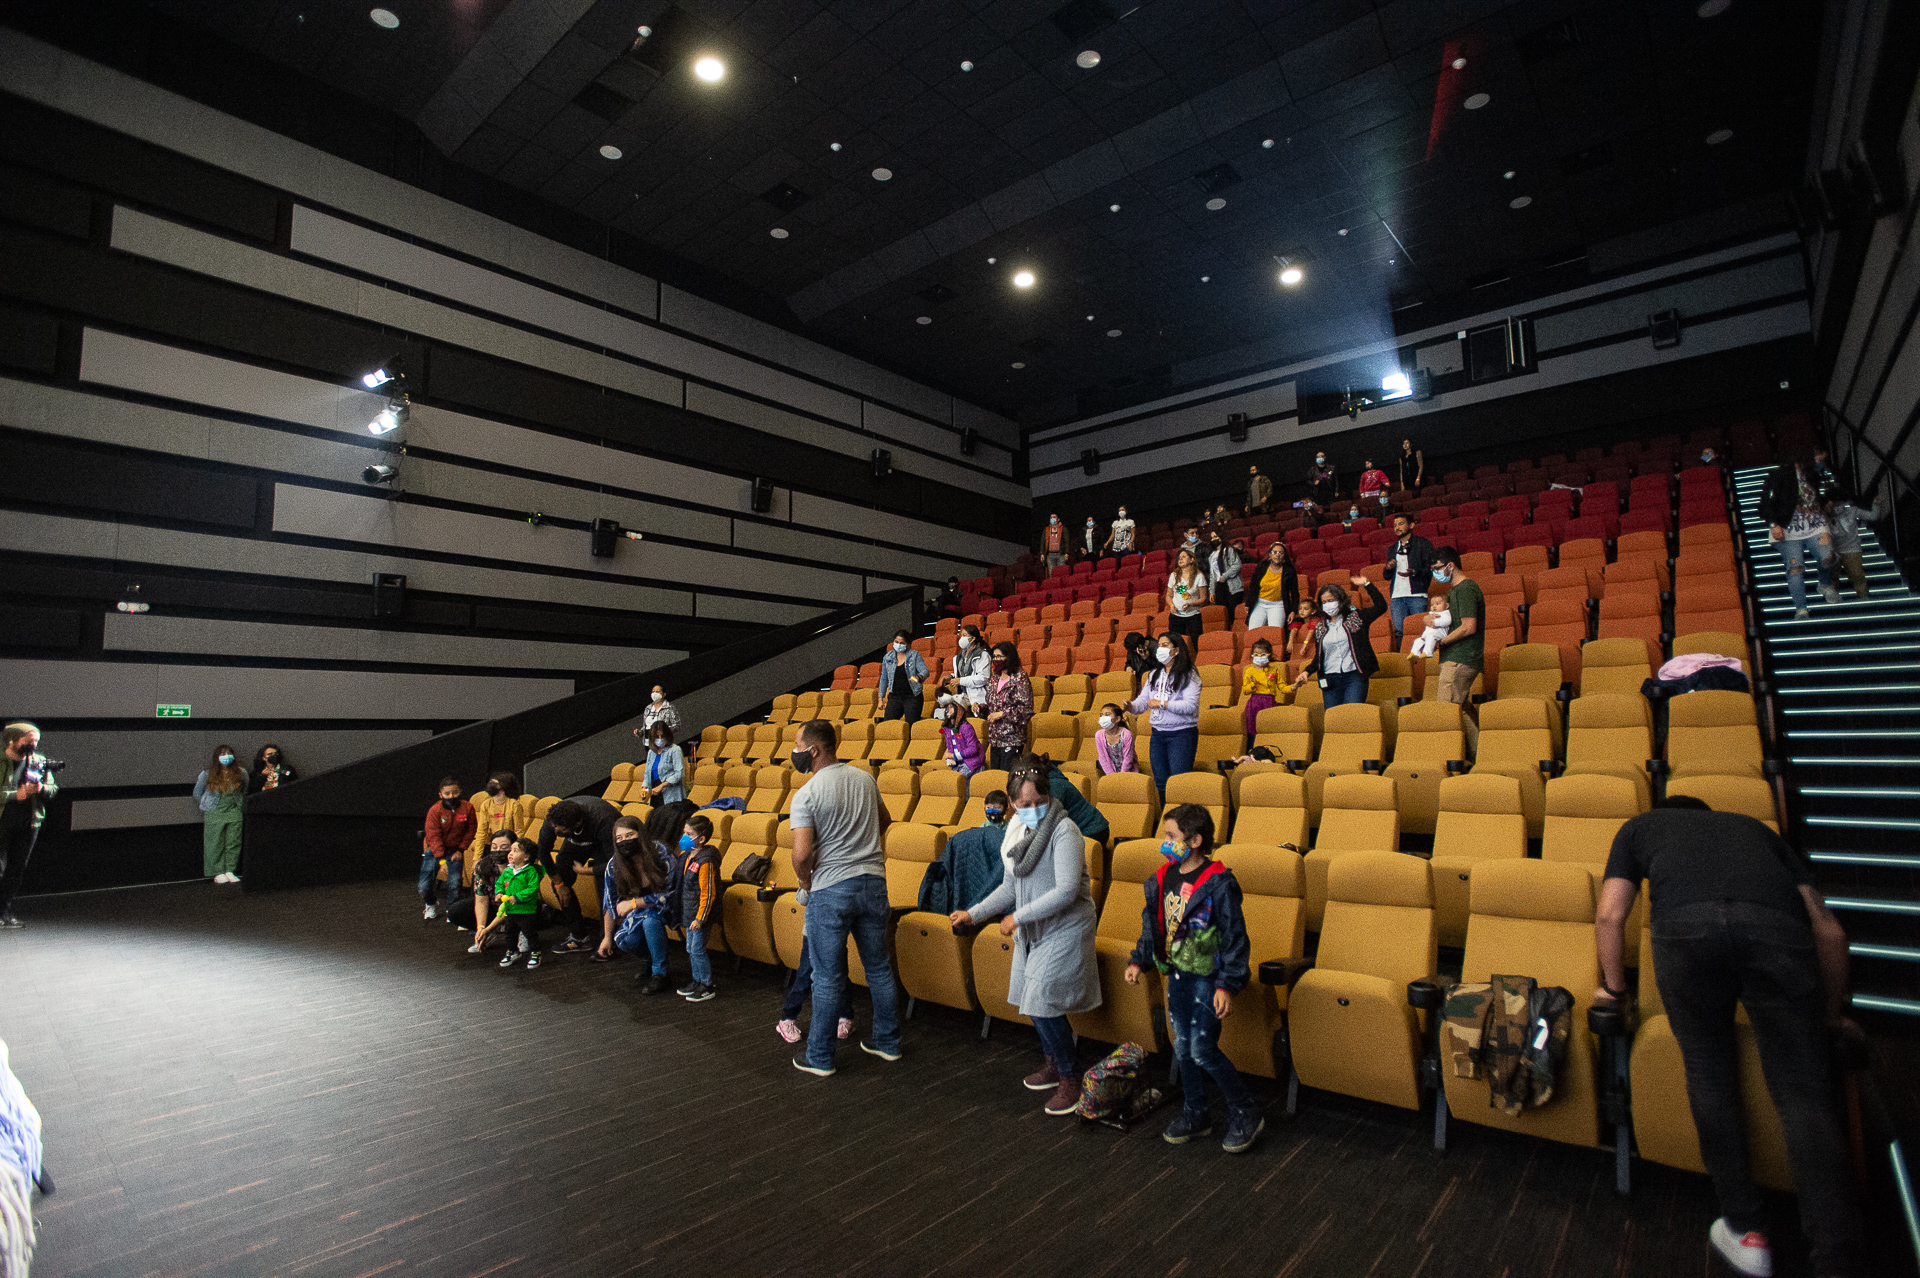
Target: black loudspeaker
{"x":969,"y":442}
{"x":605,"y":532}
{"x":389,"y":594}
{"x":1421,"y":383}
{"x":1664,"y":328}
{"x":1090,"y":460}
{"x":882,"y":463}
{"x":762,"y":496}
{"x":1237,"y":427}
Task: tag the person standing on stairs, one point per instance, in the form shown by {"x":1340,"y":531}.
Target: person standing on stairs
{"x":1794,"y":506}
{"x":219,"y":792}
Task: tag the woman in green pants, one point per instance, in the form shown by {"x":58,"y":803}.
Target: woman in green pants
{"x":219,"y":791}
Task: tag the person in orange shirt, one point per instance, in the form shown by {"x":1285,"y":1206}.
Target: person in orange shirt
{"x":1263,"y":684}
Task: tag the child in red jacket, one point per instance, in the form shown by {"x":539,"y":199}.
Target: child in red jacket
{"x":450,"y":827}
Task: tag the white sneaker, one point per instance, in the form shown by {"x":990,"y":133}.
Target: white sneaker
{"x":220,"y":878}
{"x":1801,"y":614}
{"x":1830,"y":593}
{"x":233,"y":878}
{"x":473,"y":949}
{"x":429,"y":913}
{"x":1748,"y":1255}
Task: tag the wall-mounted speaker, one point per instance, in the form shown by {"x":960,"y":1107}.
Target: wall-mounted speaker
{"x":969,"y":441}
{"x":605,"y":533}
{"x":882,"y":463}
{"x":1664,"y":328}
{"x":1420,"y":381}
{"x":1090,"y":460}
{"x":389,"y":594}
{"x":762,"y":496}
{"x":1237,"y":427}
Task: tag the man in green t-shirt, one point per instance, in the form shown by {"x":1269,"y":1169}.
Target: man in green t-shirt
{"x":1462,"y":653}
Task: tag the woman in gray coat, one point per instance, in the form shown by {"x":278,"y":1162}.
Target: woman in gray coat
{"x":1045,"y":888}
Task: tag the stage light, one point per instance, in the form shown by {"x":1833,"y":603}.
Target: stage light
{"x":1395,"y":385}
{"x":379,"y":474}
{"x":390,"y":418}
{"x":377,"y":378}
{"x":710,"y":69}
{"x":883,"y":175}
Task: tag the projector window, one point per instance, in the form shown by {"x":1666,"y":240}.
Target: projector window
{"x":1500,"y":350}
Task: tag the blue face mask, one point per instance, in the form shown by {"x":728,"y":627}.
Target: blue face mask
{"x":226,"y":761}
{"x":1029,"y":817}
{"x":995,"y":814}
{"x":1173,"y":851}
{"x":1443,"y":575}
{"x":686,"y":843}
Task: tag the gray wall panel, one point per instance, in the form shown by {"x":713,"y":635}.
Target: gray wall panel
{"x":121,"y":814}
{"x":1691,"y":297}
{"x":117,"y":690}
{"x":794,"y":541}
{"x":823,"y":512}
{"x":758,"y":611}
{"x":126,"y":632}
{"x":1263,"y":401}
{"x":174,"y":753}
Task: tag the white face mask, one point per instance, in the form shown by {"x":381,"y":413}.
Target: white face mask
{"x":898,"y":646}
{"x":1164,"y":655}
{"x":1123,"y":514}
{"x":1354,"y":513}
{"x":658,"y":697}
{"x":1106,"y":721}
{"x":966,"y":642}
{"x":1331,"y":607}
{"x":1261,"y":658}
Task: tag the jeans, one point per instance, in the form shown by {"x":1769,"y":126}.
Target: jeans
{"x":1796,"y":552}
{"x":1708,"y":956}
{"x":1196,"y":1046}
{"x":1266,"y":612}
{"x":855,"y":907}
{"x":903,"y":705}
{"x":697,"y":955}
{"x":1399,"y":609}
{"x":801,"y":989}
{"x":1170,"y":753}
{"x":1344,"y":689}
{"x":429,"y":867}
{"x":1056,"y":1040}
{"x":654,"y":932}
{"x":17,"y":837}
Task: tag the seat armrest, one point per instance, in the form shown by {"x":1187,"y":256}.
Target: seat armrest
{"x":1607,"y":1020}
{"x":771,"y":893}
{"x":1372,"y":767}
{"x":1456,"y":767}
{"x":1404,"y":701}
{"x":1771,"y":768}
{"x":1657,"y":768}
{"x":1427,"y":994}
{"x":1284,"y":971}
{"x":1550,"y":767}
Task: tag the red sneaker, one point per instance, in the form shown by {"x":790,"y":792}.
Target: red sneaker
{"x":1066,"y":1097}
{"x":1045,"y":1079}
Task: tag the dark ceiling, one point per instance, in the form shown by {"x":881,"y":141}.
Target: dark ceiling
{"x":1307,"y":118}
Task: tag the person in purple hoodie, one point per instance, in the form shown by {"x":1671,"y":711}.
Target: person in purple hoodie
{"x":958,"y":741}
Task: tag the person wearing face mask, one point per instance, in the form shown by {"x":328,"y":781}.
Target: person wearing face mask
{"x":1276,"y":589}
{"x":270,"y":770}
{"x":1053,"y":542}
{"x":1373,"y":484}
{"x":1009,"y":706}
{"x":1350,"y":518}
{"x":659,"y":710}
{"x":903,"y":671}
{"x":958,"y":742}
{"x":665,"y":769}
{"x":1044,"y":902}
{"x":1262,"y":685}
{"x":474,"y":911}
{"x":969,"y":866}
{"x":1321,"y":481}
{"x":967,"y":679}
{"x":1186,"y":593}
{"x":1341,"y":651}
{"x":449,"y":830}
{"x":1087,"y":541}
{"x":634,"y":902}
{"x":1113,"y":743}
{"x":1259,"y":491}
{"x":1223,"y":569}
{"x":502,"y":809}
{"x":1463,"y":651}
{"x":219,"y":791}
{"x":1120,"y":539}
{"x":23,"y":808}
{"x":1170,"y":698}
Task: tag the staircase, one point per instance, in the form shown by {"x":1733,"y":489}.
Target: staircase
{"x":1847,"y":684}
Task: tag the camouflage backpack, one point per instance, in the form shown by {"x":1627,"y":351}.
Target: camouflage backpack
{"x":1511,"y":1032}
{"x":1112,"y":1092}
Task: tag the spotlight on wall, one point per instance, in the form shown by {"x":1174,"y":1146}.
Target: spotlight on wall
{"x":130,"y":600}
{"x":969,"y":441}
{"x":1290,"y":273}
{"x":390,"y":418}
{"x":380,"y":377}
{"x":762,"y":496}
{"x":537,"y":518}
{"x":379,"y":474}
{"x":1664,"y":328}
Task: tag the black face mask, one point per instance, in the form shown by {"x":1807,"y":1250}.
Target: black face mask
{"x":272,"y":757}
{"x":628,"y":846}
{"x":448,"y":803}
{"x":493,"y":787}
{"x":802,"y":760}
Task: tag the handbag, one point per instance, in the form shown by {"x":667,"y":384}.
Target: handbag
{"x":754,"y":871}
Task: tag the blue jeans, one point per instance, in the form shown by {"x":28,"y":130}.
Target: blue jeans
{"x":1402,"y":608}
{"x":430,"y":886}
{"x":1344,"y":689}
{"x":855,"y":907}
{"x":1056,"y":1040}
{"x":1171,"y":753}
{"x":1795,"y":552}
{"x":697,"y":955}
{"x":654,"y":931}
{"x":1196,"y":1046}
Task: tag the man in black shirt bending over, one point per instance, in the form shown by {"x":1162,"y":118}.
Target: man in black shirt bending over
{"x":577,"y":831}
{"x":1735,"y":921}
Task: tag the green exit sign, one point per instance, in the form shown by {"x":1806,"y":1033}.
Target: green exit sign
{"x":173,"y":712}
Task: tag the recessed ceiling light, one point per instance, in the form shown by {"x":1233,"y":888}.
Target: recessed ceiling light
{"x":1477,"y":101}
{"x":385,"y":18}
{"x":1089,"y":319}
{"x":1023,"y":279}
{"x":924,"y":319}
{"x":883,"y":175}
{"x":609,"y":152}
{"x":1343,"y":230}
{"x":1459,"y":64}
{"x":1203,"y":280}
{"x":1267,"y":143}
{"x":1291,"y":275}
{"x":1113,"y":332}
{"x":1393,"y":261}
{"x":1113,"y":208}
{"x":1087,"y":59}
{"x":1718,"y":136}
{"x":992,"y":260}
{"x":1519,"y":201}
{"x":1216,"y":204}
{"x":646,"y":33}
{"x":1508,"y":175}
{"x":778,"y":232}
{"x":710,"y":69}
{"x":833,"y":146}
{"x":966,"y":66}
{"x":1019,"y":364}
{"x":1712,"y":8}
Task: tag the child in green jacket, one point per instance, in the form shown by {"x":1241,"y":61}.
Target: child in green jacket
{"x":518,"y":892}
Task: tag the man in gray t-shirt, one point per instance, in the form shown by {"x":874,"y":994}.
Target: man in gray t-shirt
{"x":839,"y":825}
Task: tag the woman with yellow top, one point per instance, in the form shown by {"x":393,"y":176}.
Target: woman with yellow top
{"x":1276,"y":589}
{"x":1263,"y":684}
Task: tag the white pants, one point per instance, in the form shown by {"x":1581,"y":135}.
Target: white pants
{"x":1266,"y":612}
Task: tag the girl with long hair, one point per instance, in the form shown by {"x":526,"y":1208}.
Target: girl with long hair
{"x":219,"y":792}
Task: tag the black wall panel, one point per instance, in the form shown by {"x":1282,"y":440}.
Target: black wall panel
{"x":26,"y":196}
{"x":30,"y":627}
{"x":29,"y":340}
{"x":40,"y":471}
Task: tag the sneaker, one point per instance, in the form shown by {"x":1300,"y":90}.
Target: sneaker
{"x":656,"y":984}
{"x":845,"y":1029}
{"x":574,"y":945}
{"x":1066,"y":1097}
{"x":818,"y":1071}
{"x":701,"y":993}
{"x":1830,"y":593}
{"x":461,"y":928}
{"x":1801,"y":614}
{"x":533,"y":960}
{"x":688,"y":988}
{"x":232,"y":878}
{"x":473,"y":949}
{"x":788,"y":1028}
{"x":1748,"y":1254}
{"x":1045,"y":1079}
{"x":511,"y":958}
{"x":1242,"y":1130}
{"x":7,"y":920}
{"x":871,"y":1050}
{"x":220,"y":877}
{"x":429,"y":912}
{"x":1185,"y":1127}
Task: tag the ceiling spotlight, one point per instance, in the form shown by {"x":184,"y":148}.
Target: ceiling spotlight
{"x":778,"y":232}
{"x":1712,"y":8}
{"x":1718,"y":136}
{"x":1113,"y":332}
{"x":1023,"y":279}
{"x":710,"y":69}
{"x":1508,"y":175}
{"x":966,"y":66}
{"x":390,"y":418}
{"x":1477,"y":101}
{"x":1343,"y":230}
{"x":992,"y":260}
{"x":1087,"y":59}
{"x":377,"y":378}
{"x":610,"y":152}
{"x":1393,"y":261}
{"x":385,"y":18}
{"x":646,"y":33}
{"x":924,"y":319}
{"x":1267,"y":143}
{"x":833,"y":146}
{"x":1291,"y":275}
{"x":1459,"y":64}
{"x":1089,"y":319}
{"x":1019,"y":364}
{"x":1216,"y":204}
{"x":378,"y":474}
{"x":1113,"y":208}
{"x":1203,"y":280}
{"x":1519,"y":201}
{"x":883,"y":175}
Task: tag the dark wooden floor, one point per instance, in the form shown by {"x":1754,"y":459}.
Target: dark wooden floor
{"x":316,"y":1083}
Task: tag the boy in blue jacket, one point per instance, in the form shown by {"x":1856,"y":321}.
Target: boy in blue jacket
{"x":1192,"y":930}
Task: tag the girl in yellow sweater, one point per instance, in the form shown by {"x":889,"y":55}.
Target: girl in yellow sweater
{"x":1263,"y":684}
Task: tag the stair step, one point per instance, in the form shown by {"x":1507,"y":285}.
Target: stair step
{"x":1873,"y":905}
{"x":1898,"y":953}
{"x":1853,"y":690}
{"x":1873,"y":860}
{"x":1863,"y":823}
{"x":1862,"y":791}
{"x":1854,"y":761}
{"x":1878,"y":668}
{"x":1883,"y":1003}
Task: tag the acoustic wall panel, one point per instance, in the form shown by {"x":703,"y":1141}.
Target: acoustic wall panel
{"x":173,"y":752}
{"x":1264,"y":401}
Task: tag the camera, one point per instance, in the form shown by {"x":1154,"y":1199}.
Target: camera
{"x":52,"y":766}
